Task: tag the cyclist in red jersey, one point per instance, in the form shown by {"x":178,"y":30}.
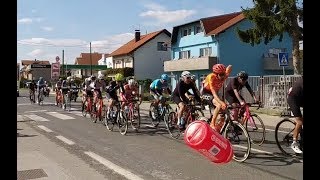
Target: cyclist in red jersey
{"x":211,"y":86}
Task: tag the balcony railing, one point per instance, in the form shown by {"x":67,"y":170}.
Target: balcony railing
{"x":201,"y":63}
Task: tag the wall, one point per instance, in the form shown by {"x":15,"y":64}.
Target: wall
{"x":148,"y":61}
{"x":242,"y":55}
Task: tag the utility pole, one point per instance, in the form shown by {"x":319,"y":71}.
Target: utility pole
{"x":63,"y":62}
{"x":90,"y":60}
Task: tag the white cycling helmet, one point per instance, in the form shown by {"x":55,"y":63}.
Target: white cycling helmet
{"x":101,"y":76}
{"x":131,"y":82}
{"x":186,"y":74}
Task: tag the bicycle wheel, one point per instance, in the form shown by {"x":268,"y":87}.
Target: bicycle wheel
{"x":135,"y":118}
{"x":110,"y":120}
{"x":93,"y":114}
{"x":68,"y":102}
{"x":122,"y":123}
{"x":198,"y":114}
{"x":84,"y":108}
{"x":284,"y":136}
{"x":154,"y":115}
{"x":171,"y":121}
{"x":256,"y":129}
{"x":240,"y":140}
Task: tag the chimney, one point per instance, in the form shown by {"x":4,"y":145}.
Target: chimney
{"x":137,"y":35}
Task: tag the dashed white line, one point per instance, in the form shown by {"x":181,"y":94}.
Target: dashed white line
{"x":65,"y":140}
{"x":60,"y":116}
{"x":36,"y":117}
{"x":129,"y":175}
{"x":35,"y":111}
{"x":45,"y":128}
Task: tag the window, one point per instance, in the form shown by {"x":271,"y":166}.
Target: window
{"x":189,"y":31}
{"x":198,"y":29}
{"x":205,"y":51}
{"x":184,"y":54}
{"x":186,"y":32}
{"x":161,"y":46}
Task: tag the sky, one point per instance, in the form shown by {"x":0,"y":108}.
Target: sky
{"x":45,"y":28}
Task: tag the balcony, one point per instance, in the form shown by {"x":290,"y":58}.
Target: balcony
{"x":271,"y":63}
{"x":201,"y":63}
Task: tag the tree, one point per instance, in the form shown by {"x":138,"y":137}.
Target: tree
{"x":273,"y":18}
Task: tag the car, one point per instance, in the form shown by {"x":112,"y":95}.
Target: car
{"x":18,"y":91}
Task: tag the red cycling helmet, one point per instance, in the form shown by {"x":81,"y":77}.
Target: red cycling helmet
{"x":219,"y":68}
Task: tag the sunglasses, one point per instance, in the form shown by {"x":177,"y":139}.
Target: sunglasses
{"x":188,"y":77}
{"x":222,"y":74}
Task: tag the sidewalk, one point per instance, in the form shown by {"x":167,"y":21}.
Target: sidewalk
{"x":40,"y":158}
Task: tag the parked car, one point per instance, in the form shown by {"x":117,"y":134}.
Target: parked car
{"x":17,"y":91}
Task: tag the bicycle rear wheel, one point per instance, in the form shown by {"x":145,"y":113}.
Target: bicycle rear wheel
{"x":122,"y":123}
{"x":135,"y":118}
{"x":240,"y":140}
{"x":256,"y":129}
{"x":110,"y":120}
{"x":171,"y":121}
{"x":284,"y":136}
{"x":154,"y":115}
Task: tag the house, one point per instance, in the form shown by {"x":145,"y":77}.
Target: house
{"x":87,"y":59}
{"x":18,"y":71}
{"x":34,"y":69}
{"x":196,"y":46}
{"x":145,"y":54}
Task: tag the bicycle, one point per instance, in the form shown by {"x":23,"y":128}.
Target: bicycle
{"x":158,"y":113}
{"x":40,"y":96}
{"x":193,"y":111}
{"x":133,"y":114}
{"x":232,"y":130}
{"x":32,"y":96}
{"x":87,"y":106}
{"x":97,"y":110}
{"x":116,"y":116}
{"x":253,"y":124}
{"x":284,"y":136}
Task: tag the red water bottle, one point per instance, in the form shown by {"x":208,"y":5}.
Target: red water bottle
{"x":201,"y":137}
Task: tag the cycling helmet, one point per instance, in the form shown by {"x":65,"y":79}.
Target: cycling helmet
{"x":243,"y":75}
{"x":118,"y":77}
{"x":165,"y":77}
{"x":193,"y":77}
{"x":131,"y":82}
{"x":101,"y":76}
{"x":93,"y":77}
{"x":186,"y":74}
{"x":40,"y":78}
{"x":219,"y":68}
{"x":69,"y":78}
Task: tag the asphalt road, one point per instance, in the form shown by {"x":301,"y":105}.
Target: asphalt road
{"x":150,"y":153}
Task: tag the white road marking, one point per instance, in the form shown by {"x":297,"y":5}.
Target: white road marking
{"x":45,"y":128}
{"x":36,"y":117}
{"x":23,"y":104}
{"x":129,"y":175}
{"x":278,"y":130}
{"x":60,"y":116}
{"x":65,"y":140}
{"x":76,"y":113}
{"x":19,"y":118}
{"x":35,"y":111}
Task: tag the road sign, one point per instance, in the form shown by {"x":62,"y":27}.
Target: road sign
{"x":283,"y":59}
{"x":57,"y":59}
{"x":55,"y":70}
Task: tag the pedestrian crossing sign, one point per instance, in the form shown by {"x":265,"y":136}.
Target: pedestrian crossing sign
{"x":283,"y":59}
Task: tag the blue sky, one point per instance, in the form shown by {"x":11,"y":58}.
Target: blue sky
{"x":46,"y":27}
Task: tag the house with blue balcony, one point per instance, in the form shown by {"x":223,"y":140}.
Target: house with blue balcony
{"x":196,"y":46}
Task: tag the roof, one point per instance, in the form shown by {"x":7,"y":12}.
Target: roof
{"x":132,"y":45}
{"x":213,"y":25}
{"x":28,"y":62}
{"x":84,"y":58}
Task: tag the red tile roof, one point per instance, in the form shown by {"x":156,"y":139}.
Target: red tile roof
{"x":28,"y":62}
{"x":215,"y":25}
{"x":84,"y":58}
{"x":133,"y":45}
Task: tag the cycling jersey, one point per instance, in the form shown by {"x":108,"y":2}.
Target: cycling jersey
{"x":295,"y":98}
{"x":235,"y":84}
{"x":32,"y":86}
{"x":128,"y":91}
{"x":182,"y":88}
{"x":157,"y":86}
{"x":213,"y":83}
{"x":112,"y":89}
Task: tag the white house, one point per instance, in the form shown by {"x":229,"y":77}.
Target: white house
{"x":145,"y":54}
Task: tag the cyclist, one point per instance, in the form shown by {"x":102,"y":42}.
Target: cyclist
{"x":98,"y":85}
{"x":112,"y":91}
{"x":40,"y":84}
{"x":211,"y":86}
{"x":32,"y":89}
{"x":181,"y":96}
{"x":157,"y":86}
{"x":131,"y":91}
{"x":295,"y":101}
{"x":58,"y":88}
{"x":86,"y":90}
{"x":233,"y":95}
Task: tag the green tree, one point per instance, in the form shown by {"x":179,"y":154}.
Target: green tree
{"x":273,"y":18}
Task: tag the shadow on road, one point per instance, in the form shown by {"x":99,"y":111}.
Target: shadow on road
{"x":24,"y":135}
{"x":273,"y":159}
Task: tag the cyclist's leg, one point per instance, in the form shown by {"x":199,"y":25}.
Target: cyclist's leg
{"x":181,"y":108}
{"x":233,"y":100}
{"x":295,"y":108}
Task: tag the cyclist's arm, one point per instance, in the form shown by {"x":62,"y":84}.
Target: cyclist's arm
{"x":250,"y":91}
{"x":196,"y":92}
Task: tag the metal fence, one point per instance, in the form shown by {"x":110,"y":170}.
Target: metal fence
{"x":271,"y":90}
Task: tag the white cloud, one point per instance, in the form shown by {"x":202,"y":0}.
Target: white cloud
{"x":168,"y":16}
{"x":39,"y":19}
{"x":159,"y":12}
{"x":46,"y":28}
{"x":52,"y":42}
{"x":25,"y":21}
{"x":36,"y":52}
{"x":110,"y":43}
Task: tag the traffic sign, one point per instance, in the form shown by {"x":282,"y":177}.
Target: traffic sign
{"x":55,"y":70}
{"x":283,"y":59}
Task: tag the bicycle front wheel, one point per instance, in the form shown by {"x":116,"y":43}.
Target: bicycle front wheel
{"x":171,"y":121}
{"x":284,"y":136}
{"x":240,"y":140}
{"x":122,"y":123}
{"x":135,"y":118}
{"x":256,"y":129}
{"x":154,"y":115}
